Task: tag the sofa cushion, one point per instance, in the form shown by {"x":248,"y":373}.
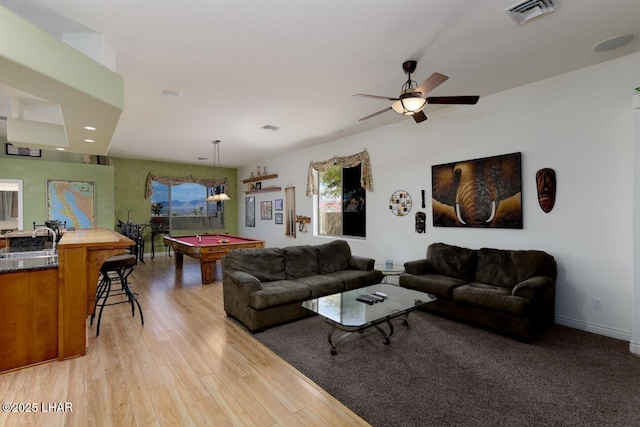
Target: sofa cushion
{"x":278,"y":292}
{"x":508,"y":268}
{"x":491,"y":297}
{"x":265,"y":263}
{"x":300,"y":261}
{"x":453,"y":261}
{"x":440,"y":286}
{"x":354,"y":279}
{"x":322,"y":285}
{"x":333,"y":256}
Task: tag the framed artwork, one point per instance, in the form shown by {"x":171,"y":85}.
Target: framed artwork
{"x":278,"y":205}
{"x":12,"y":150}
{"x":71,"y":201}
{"x":250,"y":211}
{"x":478,"y":193}
{"x":278,"y":217}
{"x":257,"y":186}
{"x":266,"y":210}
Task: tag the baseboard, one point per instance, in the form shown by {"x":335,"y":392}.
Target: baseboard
{"x":593,"y":328}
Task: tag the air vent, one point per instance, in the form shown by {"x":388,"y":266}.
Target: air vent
{"x":529,"y":9}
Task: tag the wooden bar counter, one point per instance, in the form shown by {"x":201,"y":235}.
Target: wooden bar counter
{"x":81,"y":253}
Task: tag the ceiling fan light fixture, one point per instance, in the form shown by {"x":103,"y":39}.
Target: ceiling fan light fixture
{"x":409,"y":106}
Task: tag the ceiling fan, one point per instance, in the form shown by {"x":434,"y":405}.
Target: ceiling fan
{"x":412,"y":100}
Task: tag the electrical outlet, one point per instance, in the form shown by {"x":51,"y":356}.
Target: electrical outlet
{"x":597,"y":303}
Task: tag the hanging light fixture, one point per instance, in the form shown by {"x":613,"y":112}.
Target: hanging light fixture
{"x":216,"y":196}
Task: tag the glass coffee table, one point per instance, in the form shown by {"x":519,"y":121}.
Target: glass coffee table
{"x":344,"y":312}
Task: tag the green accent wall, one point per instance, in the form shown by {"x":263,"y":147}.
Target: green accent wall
{"x":130,"y":183}
{"x":119,"y":187}
{"x":34,"y":173}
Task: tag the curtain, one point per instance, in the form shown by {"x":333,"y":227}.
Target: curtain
{"x":171,"y":180}
{"x":6,"y":205}
{"x":366,"y":181}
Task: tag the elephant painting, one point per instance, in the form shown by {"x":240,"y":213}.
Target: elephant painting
{"x":478,"y":193}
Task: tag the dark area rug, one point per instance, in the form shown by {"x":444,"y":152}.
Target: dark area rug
{"x":438,"y":372}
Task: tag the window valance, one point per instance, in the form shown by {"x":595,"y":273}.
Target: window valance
{"x":366,"y":181}
{"x":172,"y":180}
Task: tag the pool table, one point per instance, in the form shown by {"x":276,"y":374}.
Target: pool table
{"x":208,"y":248}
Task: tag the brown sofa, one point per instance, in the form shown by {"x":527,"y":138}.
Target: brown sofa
{"x":508,"y":291}
{"x":265,"y":287}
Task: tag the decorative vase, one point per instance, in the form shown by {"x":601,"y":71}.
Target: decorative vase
{"x":264,"y":171}
{"x":259,"y":174}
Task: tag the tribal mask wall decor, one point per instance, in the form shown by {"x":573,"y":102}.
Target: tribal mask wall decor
{"x":546,"y":183}
{"x":483,"y":192}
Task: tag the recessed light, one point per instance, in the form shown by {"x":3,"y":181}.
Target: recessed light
{"x":59,"y":148}
{"x":172,"y":94}
{"x":90,"y":128}
{"x":613,"y":43}
{"x":89,"y":140}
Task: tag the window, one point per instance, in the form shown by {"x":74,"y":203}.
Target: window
{"x":185,"y":206}
{"x":341,"y":202}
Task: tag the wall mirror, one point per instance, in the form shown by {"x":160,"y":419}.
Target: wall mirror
{"x":400,"y":203}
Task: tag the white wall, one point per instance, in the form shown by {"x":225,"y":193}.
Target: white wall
{"x":579,"y":124}
{"x":634,"y":345}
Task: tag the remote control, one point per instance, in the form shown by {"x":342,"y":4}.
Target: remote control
{"x":381,"y":294}
{"x":364,"y":300}
{"x":369,"y":297}
{"x":377,"y":297}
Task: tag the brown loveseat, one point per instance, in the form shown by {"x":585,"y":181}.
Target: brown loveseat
{"x":509,"y":291}
{"x":265,"y":287}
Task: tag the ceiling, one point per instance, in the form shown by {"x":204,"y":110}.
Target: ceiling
{"x":241,"y":65}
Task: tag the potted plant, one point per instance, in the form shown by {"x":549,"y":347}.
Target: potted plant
{"x":156,"y":208}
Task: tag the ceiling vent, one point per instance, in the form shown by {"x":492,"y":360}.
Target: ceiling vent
{"x":529,"y":9}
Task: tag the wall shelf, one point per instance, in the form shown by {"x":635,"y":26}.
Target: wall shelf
{"x":259,"y":178}
{"x":264,"y":190}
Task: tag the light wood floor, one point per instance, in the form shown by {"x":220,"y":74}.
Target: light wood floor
{"x":189,"y":365}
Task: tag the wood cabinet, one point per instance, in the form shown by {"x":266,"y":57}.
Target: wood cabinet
{"x":29,"y":321}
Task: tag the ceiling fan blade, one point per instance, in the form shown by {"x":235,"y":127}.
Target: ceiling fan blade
{"x":375,"y":114}
{"x":453,"y":100}
{"x":434,"y":80}
{"x":420,"y":117}
{"x":364,"y":95}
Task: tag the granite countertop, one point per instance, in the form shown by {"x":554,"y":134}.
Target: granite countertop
{"x":23,"y":264}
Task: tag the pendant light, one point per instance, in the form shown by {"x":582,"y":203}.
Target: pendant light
{"x":214,"y":196}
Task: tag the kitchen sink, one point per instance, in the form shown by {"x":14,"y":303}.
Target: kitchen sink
{"x":28,"y":254}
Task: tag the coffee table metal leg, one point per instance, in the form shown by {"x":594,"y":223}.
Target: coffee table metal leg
{"x":405,"y":319}
{"x":348,"y":331}
{"x":387,"y":341}
{"x":330,"y":338}
{"x":334,"y":344}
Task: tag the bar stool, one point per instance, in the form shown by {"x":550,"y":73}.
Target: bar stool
{"x":116,"y":270}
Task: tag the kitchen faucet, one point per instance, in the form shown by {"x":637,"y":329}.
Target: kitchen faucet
{"x":53,"y":234}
